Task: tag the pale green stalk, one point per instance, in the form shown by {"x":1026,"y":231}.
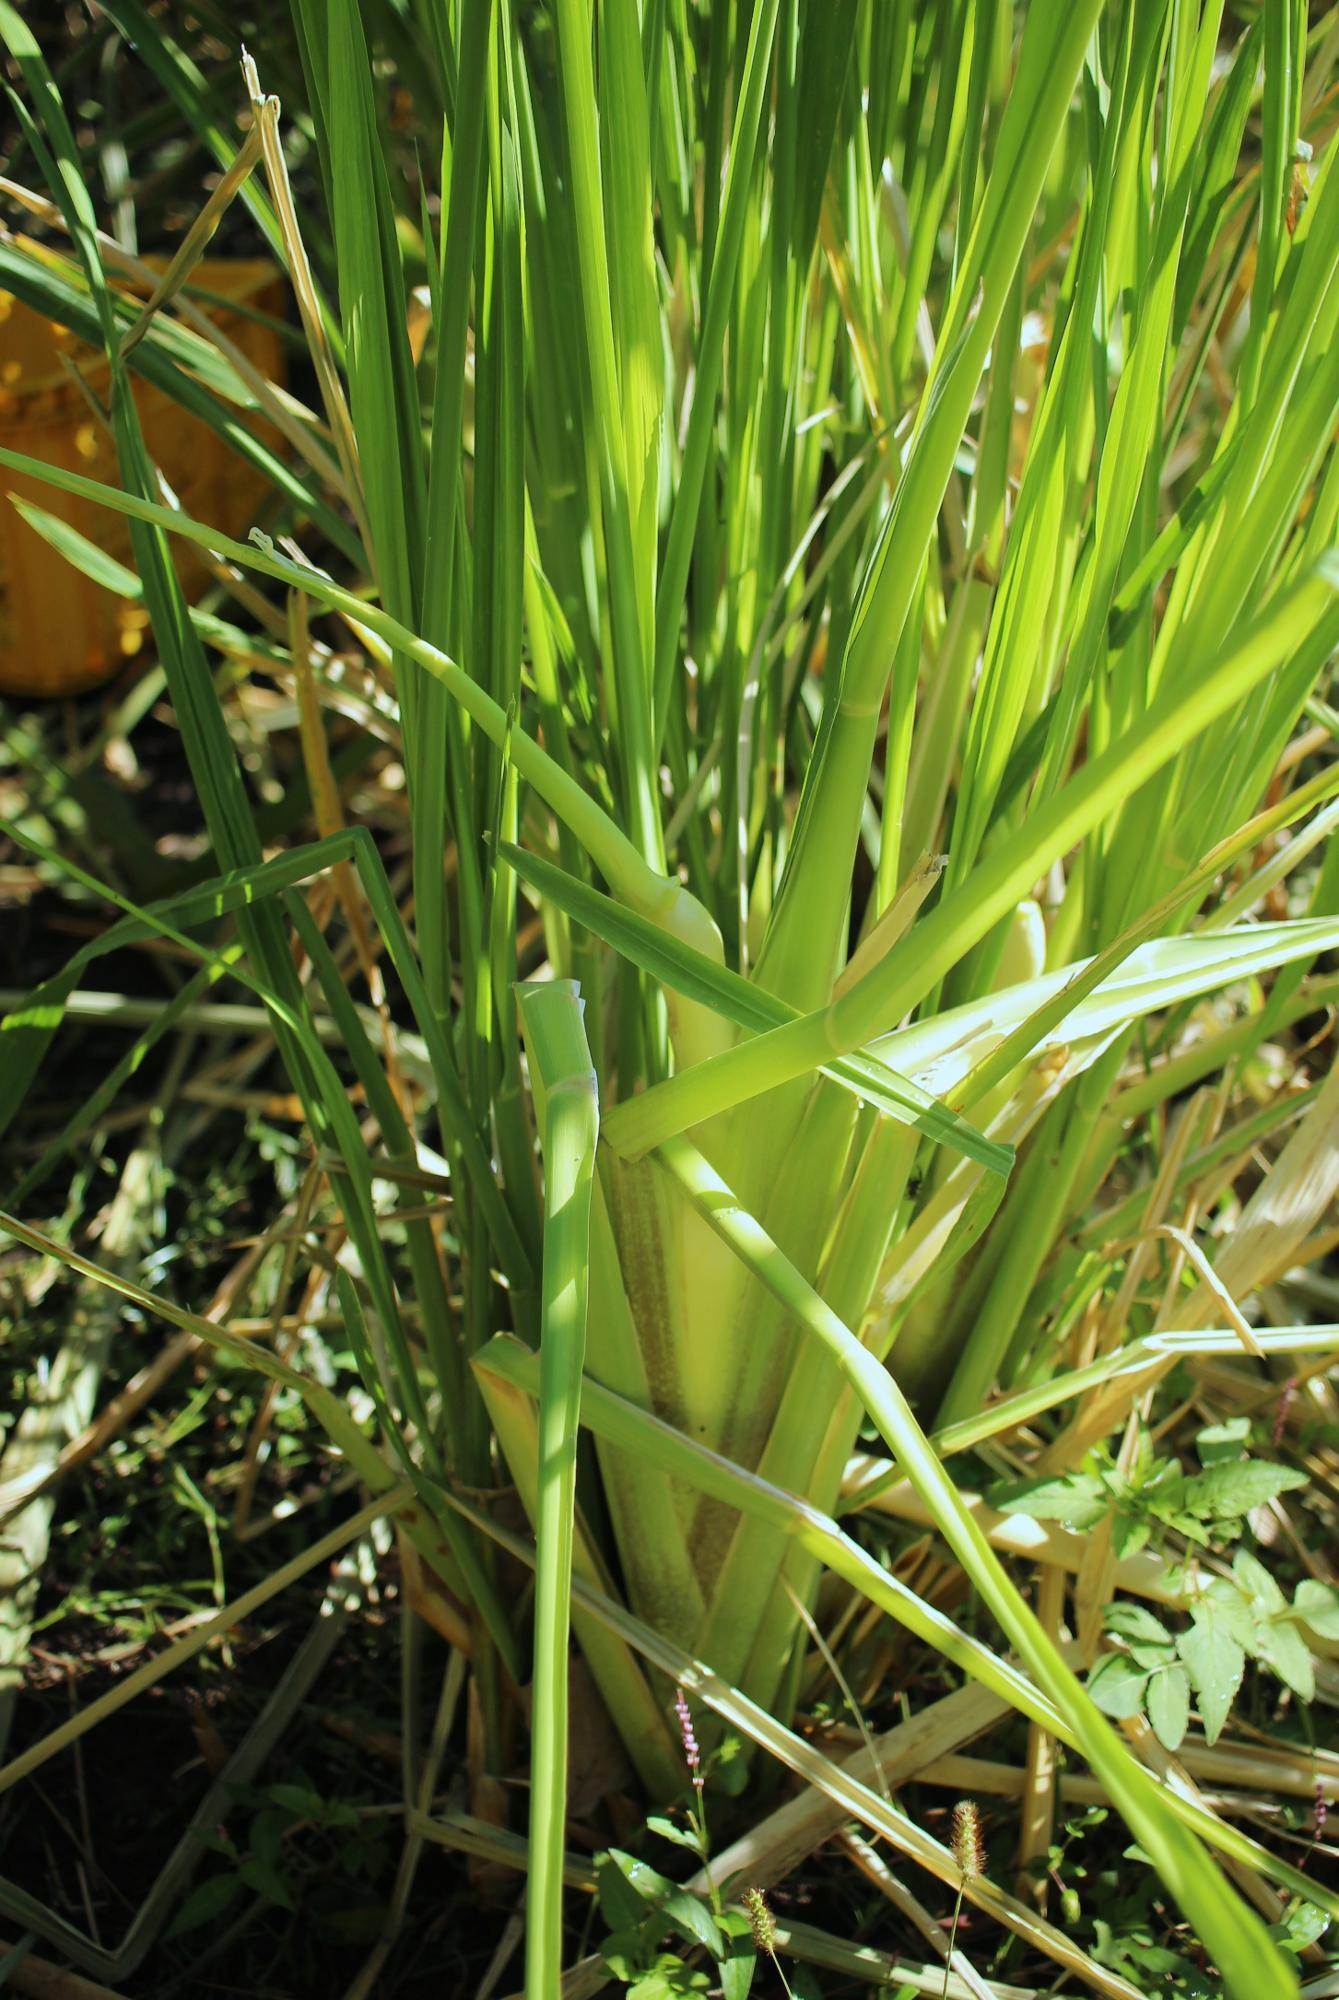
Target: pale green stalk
{"x":632,"y":675}
{"x":568,"y":1098}
{"x":801,"y":953}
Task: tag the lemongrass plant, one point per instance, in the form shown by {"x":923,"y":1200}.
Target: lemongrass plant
{"x":852,"y":559}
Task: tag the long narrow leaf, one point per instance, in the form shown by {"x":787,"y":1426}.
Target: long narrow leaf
{"x":570,"y":1101}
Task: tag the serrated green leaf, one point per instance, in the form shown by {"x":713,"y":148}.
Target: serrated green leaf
{"x":1233,"y":1609}
{"x":1279,"y":1644}
{"x":1225,"y":1490}
{"x":1256,"y":1581}
{"x":1117,"y":1685}
{"x":1135,"y":1621}
{"x":1215,"y":1660}
{"x":1223,"y":1441}
{"x":1145,"y":1653}
{"x":1168,"y":1700}
{"x":1079,"y":1501}
{"x":1129,"y":1534}
{"x":1317,"y":1605}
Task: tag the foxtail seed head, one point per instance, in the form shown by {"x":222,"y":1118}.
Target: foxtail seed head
{"x":761,"y":1921}
{"x":969,"y":1849}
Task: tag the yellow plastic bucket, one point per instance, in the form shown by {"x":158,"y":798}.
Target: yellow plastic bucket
{"x":60,"y":632}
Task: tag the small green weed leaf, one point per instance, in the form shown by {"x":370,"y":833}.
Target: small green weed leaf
{"x":1129,"y":1534}
{"x":736,"y":1973}
{"x":1224,"y":1441}
{"x":1079,"y":1501}
{"x":1136,"y":1621}
{"x":729,"y":1767}
{"x":1117,"y":1685}
{"x":654,"y":1986}
{"x":1215,"y":1660}
{"x":1169,"y":1706}
{"x":1279,"y":1644}
{"x":682,"y":1836}
{"x":624,"y":1952}
{"x":621,"y":1905}
{"x":649,"y":1885}
{"x":264,"y":1878}
{"x":691,"y":1918}
{"x":1233,"y":1609}
{"x":1138,"y":1958}
{"x":1317,"y":1605}
{"x":1257,"y":1583}
{"x":668,"y":1978}
{"x":205,"y":1902}
{"x":299,"y":1800}
{"x":1151,"y":1644}
{"x":267,"y":1838}
{"x":1302,"y":1925}
{"x":1229,"y":1489}
{"x":1145,"y":1653}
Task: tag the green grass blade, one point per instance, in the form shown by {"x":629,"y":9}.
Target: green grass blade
{"x":630,"y":680}
{"x":710,"y":355}
{"x":569,"y":1097}
{"x":800,"y":958}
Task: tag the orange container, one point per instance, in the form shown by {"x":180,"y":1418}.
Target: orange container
{"x":59,"y":631}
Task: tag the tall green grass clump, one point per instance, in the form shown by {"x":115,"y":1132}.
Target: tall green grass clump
{"x":847,"y":563}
